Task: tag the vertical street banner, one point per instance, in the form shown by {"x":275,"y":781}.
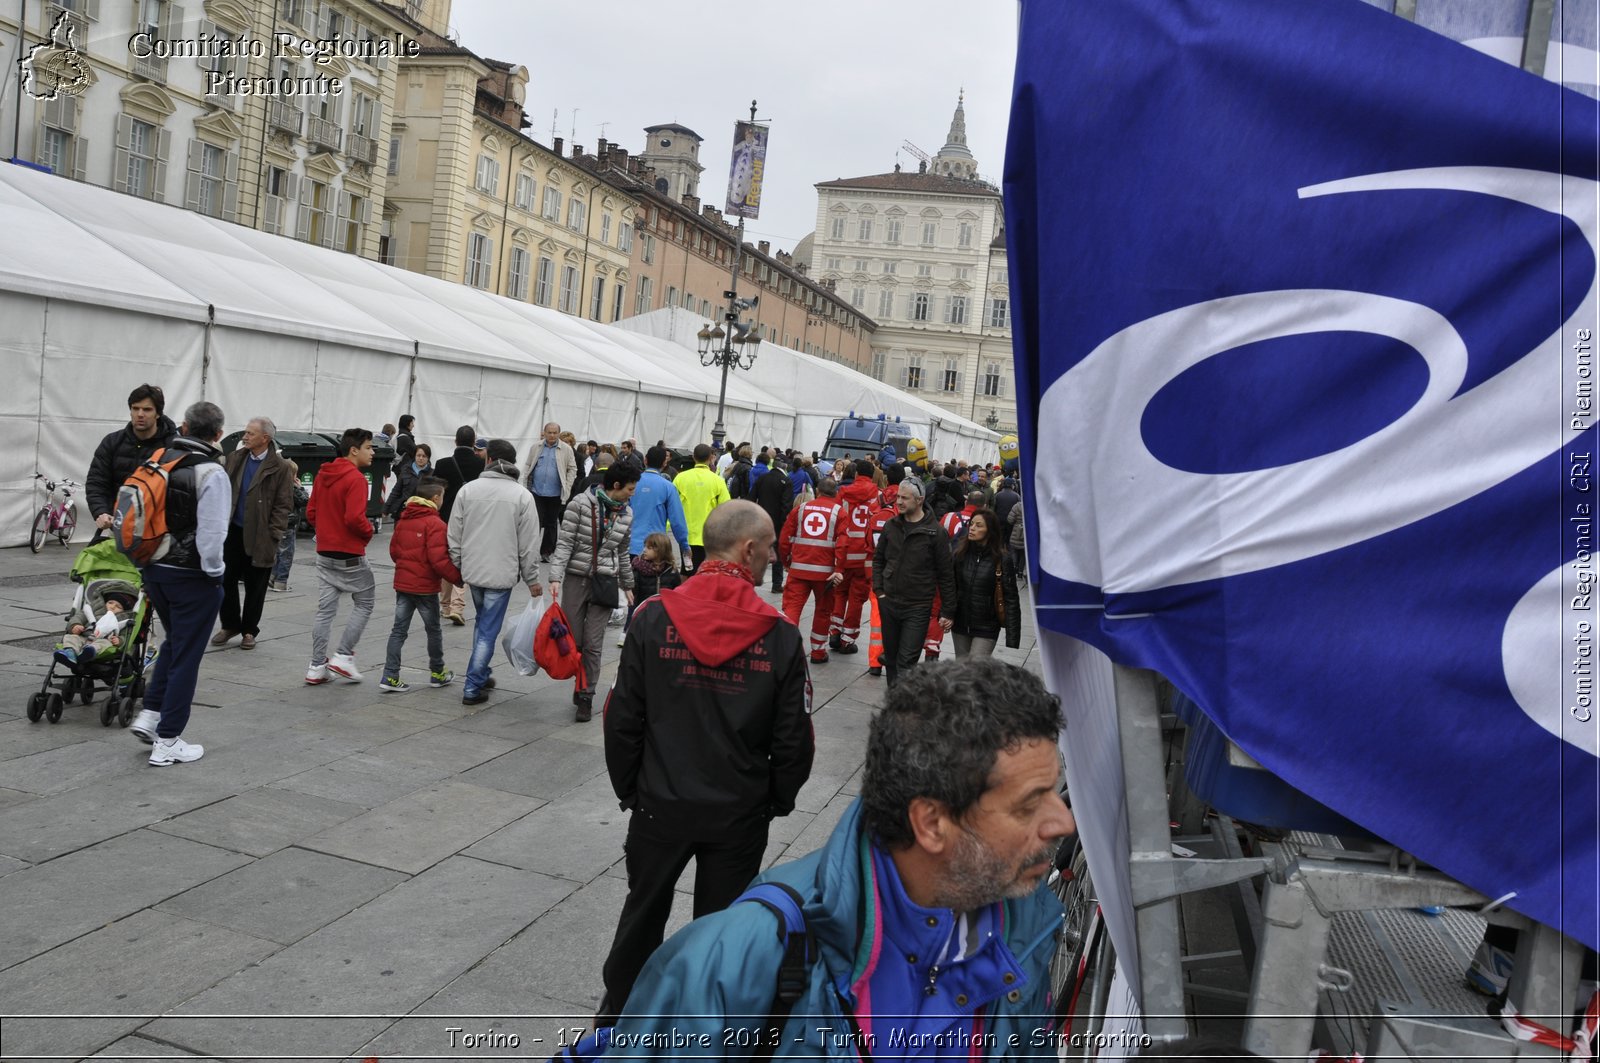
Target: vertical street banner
{"x":744,"y":172}
{"x":1305,"y":338}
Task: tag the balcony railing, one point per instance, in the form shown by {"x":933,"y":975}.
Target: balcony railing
{"x":151,"y":68}
{"x":324,"y":134}
{"x":284,"y":116}
{"x":53,"y":13}
{"x":362,"y":149}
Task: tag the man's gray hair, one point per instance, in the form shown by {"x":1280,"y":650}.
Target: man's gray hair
{"x":265,"y":426}
{"x":203,"y":420}
{"x":731,"y":524}
{"x":549,"y":425}
{"x":827,"y":487}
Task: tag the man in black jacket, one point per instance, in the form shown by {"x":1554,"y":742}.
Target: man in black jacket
{"x":707,"y":735}
{"x":911,"y":563}
{"x":459,"y":469}
{"x":147,"y":431}
{"x":773,"y":493}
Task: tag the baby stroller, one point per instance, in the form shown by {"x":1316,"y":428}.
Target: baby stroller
{"x":101,"y":572}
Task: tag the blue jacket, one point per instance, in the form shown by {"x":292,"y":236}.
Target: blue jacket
{"x":656,"y":505}
{"x":726,"y":964}
{"x":799,"y":481}
{"x":757,"y":471}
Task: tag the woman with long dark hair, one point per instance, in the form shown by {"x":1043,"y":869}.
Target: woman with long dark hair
{"x":986,"y":589}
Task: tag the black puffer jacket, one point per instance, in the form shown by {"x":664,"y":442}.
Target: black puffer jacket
{"x":118,"y":454}
{"x":975,"y":598}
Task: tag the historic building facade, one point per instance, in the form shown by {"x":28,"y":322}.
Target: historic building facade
{"x":924,"y":253}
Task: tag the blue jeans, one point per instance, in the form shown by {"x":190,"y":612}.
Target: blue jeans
{"x":404,"y":606}
{"x":280,"y":570}
{"x":187,"y":601}
{"x":490,"y":606}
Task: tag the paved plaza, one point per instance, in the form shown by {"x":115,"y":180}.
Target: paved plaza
{"x":344,"y":874}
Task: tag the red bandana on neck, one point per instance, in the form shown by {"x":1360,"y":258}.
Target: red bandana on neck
{"x":717,"y":567}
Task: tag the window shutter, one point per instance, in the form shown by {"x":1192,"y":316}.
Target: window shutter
{"x":291,"y":187}
{"x":333,"y":235}
{"x":172,"y":27}
{"x":80,"y":159}
{"x":119,"y":166}
{"x":324,"y":18}
{"x":91,"y":10}
{"x":197,"y":153}
{"x":302,"y":216}
{"x":163,"y":147}
{"x":366,"y":212}
{"x":191,"y":184}
{"x":905,"y":376}
{"x":230,"y":190}
{"x":959,"y":377}
{"x":202,"y":60}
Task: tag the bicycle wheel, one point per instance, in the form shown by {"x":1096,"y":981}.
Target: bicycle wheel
{"x":41,"y":528}
{"x":1067,"y":968}
{"x":69,"y":524}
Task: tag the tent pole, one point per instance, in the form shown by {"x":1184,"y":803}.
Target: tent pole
{"x":411,"y":380}
{"x":205,"y":350}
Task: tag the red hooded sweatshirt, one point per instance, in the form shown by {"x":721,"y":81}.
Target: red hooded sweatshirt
{"x":338,"y":508}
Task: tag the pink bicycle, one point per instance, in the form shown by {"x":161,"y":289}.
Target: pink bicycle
{"x":58,"y":516}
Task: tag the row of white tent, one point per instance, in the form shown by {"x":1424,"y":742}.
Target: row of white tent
{"x":100,"y":292}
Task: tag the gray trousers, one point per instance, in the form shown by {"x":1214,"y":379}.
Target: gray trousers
{"x":968,"y":646}
{"x":588,"y":626}
{"x":336,"y":577}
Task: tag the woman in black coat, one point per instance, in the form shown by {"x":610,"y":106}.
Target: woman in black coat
{"x":986,"y":589}
{"x":406,"y":476}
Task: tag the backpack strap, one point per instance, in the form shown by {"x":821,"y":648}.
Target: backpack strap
{"x":799,"y":952}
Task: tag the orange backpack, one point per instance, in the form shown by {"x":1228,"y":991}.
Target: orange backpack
{"x":554,"y":648}
{"x":140,"y":521}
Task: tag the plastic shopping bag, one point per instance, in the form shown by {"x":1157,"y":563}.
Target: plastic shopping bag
{"x":518,"y":638}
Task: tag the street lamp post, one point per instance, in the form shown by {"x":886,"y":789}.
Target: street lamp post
{"x":730,"y":334}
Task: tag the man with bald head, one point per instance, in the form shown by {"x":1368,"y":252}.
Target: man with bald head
{"x":553,"y":469}
{"x":707,"y":736}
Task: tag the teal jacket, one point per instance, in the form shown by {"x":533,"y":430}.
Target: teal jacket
{"x":707,"y":990}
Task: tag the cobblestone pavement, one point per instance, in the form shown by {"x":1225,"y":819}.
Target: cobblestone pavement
{"x":344,"y":874}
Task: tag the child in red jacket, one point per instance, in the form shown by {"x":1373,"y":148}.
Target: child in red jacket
{"x":421,"y":560}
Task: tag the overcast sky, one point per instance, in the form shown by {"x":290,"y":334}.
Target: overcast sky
{"x":842,"y":82}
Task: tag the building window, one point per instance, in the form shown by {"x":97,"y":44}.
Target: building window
{"x":569,"y":290}
{"x":394,"y":156}
{"x":891,"y":267}
{"x":991,"y":380}
{"x":641,"y":299}
{"x":885,"y":304}
{"x":552,"y":203}
{"x":861,"y":265}
{"x":688,"y":303}
{"x":964,"y":235}
{"x":999,"y":313}
{"x":616,"y":301}
{"x":963,"y":273}
{"x":314,"y":209}
{"x":833,"y":264}
{"x":836,"y":229}
{"x":597,"y":299}
{"x":930,"y":233}
{"x":520,"y":262}
{"x":958,"y":310}
{"x":142,"y":139}
{"x":54,"y":150}
{"x":605,"y":228}
{"x":488,"y":177}
{"x":912,"y":375}
{"x":625,"y":238}
{"x":865,"y":230}
{"x":576,"y":210}
{"x":386,"y":248}
{"x":351,"y":220}
{"x":877,"y":365}
{"x":479,"y":251}
{"x":952,"y":376}
{"x":1002,"y":278}
{"x":648,"y":252}
{"x":545,"y":282}
{"x":672,"y":295}
{"x":525,"y":186}
{"x":924,"y":269}
{"x":919,"y":306}
{"x":857,"y":297}
{"x":893,"y":235}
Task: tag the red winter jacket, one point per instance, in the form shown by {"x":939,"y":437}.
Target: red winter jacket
{"x":338,"y":508}
{"x":857,"y":501}
{"x":420,"y":552}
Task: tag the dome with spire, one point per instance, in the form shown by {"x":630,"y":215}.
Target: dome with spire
{"x":955,"y":158}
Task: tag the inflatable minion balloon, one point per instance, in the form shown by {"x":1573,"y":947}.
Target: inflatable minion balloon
{"x":1010,"y":454}
{"x":917,"y":453}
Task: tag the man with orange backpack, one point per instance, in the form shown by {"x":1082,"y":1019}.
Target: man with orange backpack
{"x":184,"y":584}
{"x":858,"y":499}
{"x":808,"y":547}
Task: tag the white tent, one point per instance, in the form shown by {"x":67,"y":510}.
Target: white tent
{"x":820,"y":391}
{"x":101,"y":292}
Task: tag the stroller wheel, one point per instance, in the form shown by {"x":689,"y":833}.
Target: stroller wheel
{"x":86,"y":690}
{"x":53,"y":706}
{"x":35,"y":707}
{"x":108,"y":711}
{"x":129,"y":707}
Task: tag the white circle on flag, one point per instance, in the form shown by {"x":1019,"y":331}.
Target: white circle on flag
{"x":1547,"y":651}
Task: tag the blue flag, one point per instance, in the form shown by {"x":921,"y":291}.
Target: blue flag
{"x":1306,"y":313}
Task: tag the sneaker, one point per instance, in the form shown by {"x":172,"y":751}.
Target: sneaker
{"x":819,"y":657}
{"x":392,"y":684}
{"x":441,"y":679}
{"x":456,"y":619}
{"x":1490,"y":970}
{"x":174,"y":751}
{"x":343,"y":665}
{"x":144,"y":725}
{"x":66,"y":656}
{"x":317,"y":674}
{"x":475,"y":699}
{"x":847,"y":648}
{"x":622,"y":640}
{"x":275,"y":585}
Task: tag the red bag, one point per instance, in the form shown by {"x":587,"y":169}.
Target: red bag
{"x":554,"y":648}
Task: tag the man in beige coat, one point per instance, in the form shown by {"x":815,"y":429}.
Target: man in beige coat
{"x":263,"y":501}
{"x":552,"y":467}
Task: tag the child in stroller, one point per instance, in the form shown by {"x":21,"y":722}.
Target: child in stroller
{"x":106,"y":640}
